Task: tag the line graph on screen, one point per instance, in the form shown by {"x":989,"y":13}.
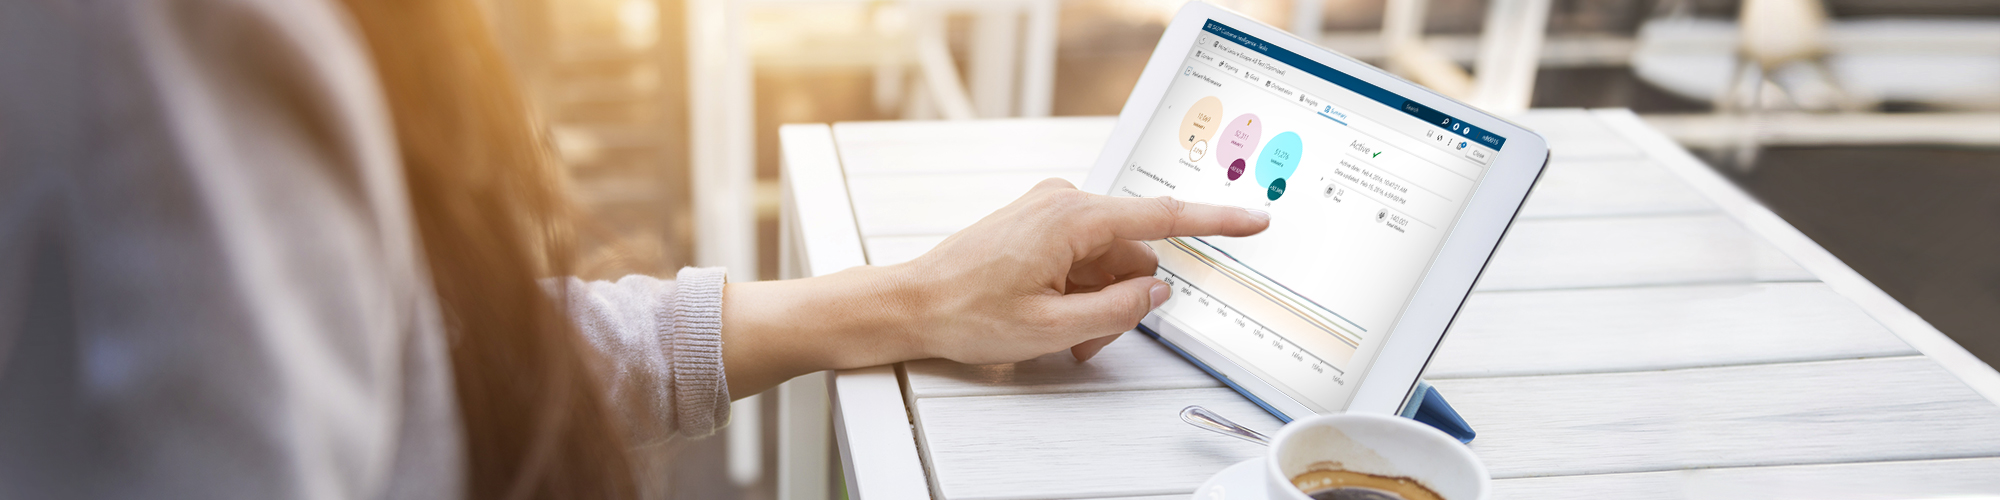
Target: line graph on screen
{"x":1247,"y":300}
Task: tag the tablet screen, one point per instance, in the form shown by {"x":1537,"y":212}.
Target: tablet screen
{"x":1362,"y":186}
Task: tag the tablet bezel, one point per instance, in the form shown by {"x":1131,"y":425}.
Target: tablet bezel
{"x":1391,"y":376}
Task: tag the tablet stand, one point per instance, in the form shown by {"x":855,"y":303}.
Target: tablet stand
{"x":1428,"y":406}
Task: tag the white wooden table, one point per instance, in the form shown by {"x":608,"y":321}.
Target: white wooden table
{"x":1647,"y":330}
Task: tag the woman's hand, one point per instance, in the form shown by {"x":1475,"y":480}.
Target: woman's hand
{"x":1057,"y":269}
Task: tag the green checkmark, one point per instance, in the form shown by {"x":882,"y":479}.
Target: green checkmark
{"x":1377,"y":153}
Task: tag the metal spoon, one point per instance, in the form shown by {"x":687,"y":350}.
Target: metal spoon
{"x":1201,"y":417}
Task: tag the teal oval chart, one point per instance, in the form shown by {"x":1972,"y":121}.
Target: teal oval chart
{"x":1279,"y":159}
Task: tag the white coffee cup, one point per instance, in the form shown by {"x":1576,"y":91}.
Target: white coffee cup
{"x":1381,"y":445}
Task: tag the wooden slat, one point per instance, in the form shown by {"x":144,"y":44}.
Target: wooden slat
{"x":1097,"y":444}
{"x":1633,"y":251}
{"x":1655,"y":328}
{"x":871,"y":148}
{"x":1852,"y":481}
{"x":1904,"y":408}
{"x":1575,"y":134}
{"x":1133,"y":362}
{"x":1515,"y":333}
{"x":1969,"y":478}
{"x":828,"y":240}
{"x":1596,"y":188}
{"x":877,"y":443}
{"x":941,"y":203}
{"x":1129,"y":443}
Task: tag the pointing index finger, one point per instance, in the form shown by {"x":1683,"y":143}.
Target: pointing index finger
{"x":1165,"y":217}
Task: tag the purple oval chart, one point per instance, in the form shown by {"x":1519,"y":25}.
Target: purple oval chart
{"x":1238,"y":140}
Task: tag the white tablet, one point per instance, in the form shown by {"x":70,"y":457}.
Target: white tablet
{"x":1386,"y":201}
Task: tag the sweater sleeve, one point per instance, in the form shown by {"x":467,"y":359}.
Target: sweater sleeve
{"x":662,"y":341}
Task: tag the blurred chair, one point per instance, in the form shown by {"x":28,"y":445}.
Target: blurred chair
{"x":1011,"y":73}
{"x":1508,"y":54}
{"x":1774,"y":35}
{"x":1012,"y":59}
{"x":1949,"y":64}
{"x":1011,"y":70}
{"x":1774,"y":73}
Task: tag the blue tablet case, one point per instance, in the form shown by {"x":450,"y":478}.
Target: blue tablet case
{"x":1425,"y":405}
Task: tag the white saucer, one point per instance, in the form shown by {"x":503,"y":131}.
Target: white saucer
{"x":1243,"y":481}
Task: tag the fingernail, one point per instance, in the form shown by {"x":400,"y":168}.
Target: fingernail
{"x":1259,"y":214}
{"x":1160,"y":294}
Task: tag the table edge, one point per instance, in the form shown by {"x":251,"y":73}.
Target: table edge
{"x":867,"y":403}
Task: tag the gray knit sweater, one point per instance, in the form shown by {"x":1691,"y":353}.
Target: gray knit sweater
{"x":210,"y":284}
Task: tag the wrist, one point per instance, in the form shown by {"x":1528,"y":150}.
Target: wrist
{"x":889,"y":310}
{"x":866,"y":316}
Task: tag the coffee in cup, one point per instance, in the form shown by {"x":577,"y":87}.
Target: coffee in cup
{"x":1331,"y":483}
{"x":1359,"y":456}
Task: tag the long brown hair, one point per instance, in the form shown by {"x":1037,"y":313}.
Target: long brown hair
{"x":492,"y":212}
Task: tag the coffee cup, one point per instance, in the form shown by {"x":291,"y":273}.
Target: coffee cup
{"x":1374,"y":452}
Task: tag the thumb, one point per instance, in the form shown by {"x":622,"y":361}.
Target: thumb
{"x":1089,"y":348}
{"x":1110,"y":311}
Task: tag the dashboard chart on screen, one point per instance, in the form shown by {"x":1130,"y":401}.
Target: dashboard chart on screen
{"x":1361,"y":194}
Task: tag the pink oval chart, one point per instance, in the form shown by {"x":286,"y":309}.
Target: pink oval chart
{"x":1238,"y":141}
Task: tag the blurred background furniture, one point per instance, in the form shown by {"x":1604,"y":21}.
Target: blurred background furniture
{"x":1775,"y":72}
{"x":1509,"y":50}
{"x":1948,"y":63}
{"x":1011,"y":73}
{"x":1646,"y":330}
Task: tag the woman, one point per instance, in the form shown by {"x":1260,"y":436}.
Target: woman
{"x":297,"y":248}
